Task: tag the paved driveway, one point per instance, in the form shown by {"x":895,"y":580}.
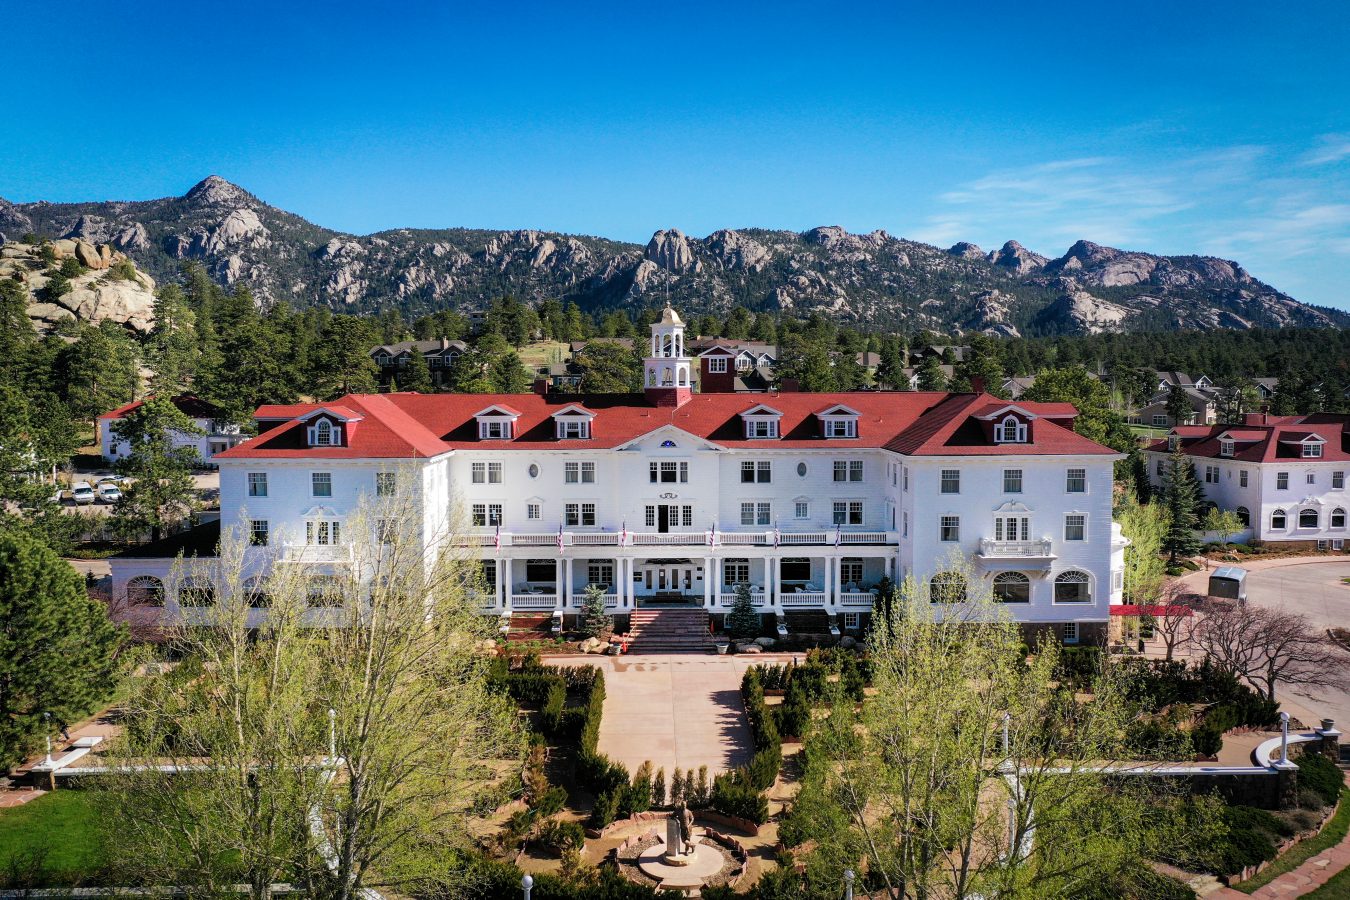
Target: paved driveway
{"x":1314,"y":588}
{"x":675,"y":710}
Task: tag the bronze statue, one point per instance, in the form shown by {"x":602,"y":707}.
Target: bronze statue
{"x":685,"y":816}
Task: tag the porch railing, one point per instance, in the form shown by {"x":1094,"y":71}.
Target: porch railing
{"x":1016,"y":548}
{"x":729,"y":600}
{"x":533,"y":601}
{"x":743,"y":538}
{"x":809,"y":599}
{"x":855,"y":598}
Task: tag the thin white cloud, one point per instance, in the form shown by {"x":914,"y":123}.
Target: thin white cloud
{"x":1330,"y":148}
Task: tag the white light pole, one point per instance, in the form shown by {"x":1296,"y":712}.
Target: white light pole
{"x":1012,"y":829}
{"x":848,"y":884}
{"x":47,"y":735}
{"x":332,"y":737}
{"x":527,"y":883}
{"x":1284,"y":737}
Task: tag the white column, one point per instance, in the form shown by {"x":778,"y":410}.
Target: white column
{"x":558,"y":583}
{"x":498,"y":574}
{"x":707,"y":580}
{"x":510,"y":582}
{"x":829,"y":582}
{"x":770,"y":578}
{"x":626,"y":587}
{"x":567,"y":595}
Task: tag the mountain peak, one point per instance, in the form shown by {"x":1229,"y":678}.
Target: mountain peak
{"x":214,"y":189}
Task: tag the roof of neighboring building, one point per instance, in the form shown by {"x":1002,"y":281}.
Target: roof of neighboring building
{"x":868,"y":359}
{"x":427,"y":348}
{"x":191,"y":406}
{"x":411,"y":425}
{"x":1274,"y":441}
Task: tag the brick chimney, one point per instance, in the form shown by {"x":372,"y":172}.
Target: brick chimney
{"x":977,"y":384}
{"x":540,"y":387}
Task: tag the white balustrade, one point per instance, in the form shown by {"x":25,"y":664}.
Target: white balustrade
{"x":524,"y":602}
{"x":855,"y":598}
{"x":669,"y":539}
{"x":808,"y":599}
{"x":729,"y":600}
{"x":1016,"y":549}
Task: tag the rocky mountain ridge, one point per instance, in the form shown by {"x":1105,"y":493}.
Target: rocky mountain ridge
{"x":873,"y":278}
{"x":103,"y":291}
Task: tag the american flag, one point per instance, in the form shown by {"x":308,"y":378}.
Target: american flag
{"x":712,"y":535}
{"x":777,"y":536}
{"x":838,"y":535}
{"x":560,"y":539}
{"x":623,"y":535}
{"x":497,"y":538}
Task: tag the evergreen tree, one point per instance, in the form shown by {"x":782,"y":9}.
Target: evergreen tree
{"x":806,"y":362}
{"x":890,"y":369}
{"x":983,"y":364}
{"x":743,"y":619}
{"x":1181,"y":497}
{"x":931,"y":376}
{"x":17,"y":337}
{"x":57,"y":647}
{"x":595,"y":622}
{"x":99,"y":370}
{"x":161,"y":494}
{"x":344,"y":365}
{"x":1178,"y":405}
{"x":171,"y":349}
{"x":416,"y":376}
{"x":508,"y":374}
{"x":609,"y":368}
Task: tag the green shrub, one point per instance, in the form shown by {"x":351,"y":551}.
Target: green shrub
{"x":1320,"y":775}
{"x":1248,"y":839}
{"x":793,"y":717}
{"x":731,"y":798}
{"x":551,"y":802}
{"x":606,"y":809}
{"x":560,"y":836}
{"x":1207,"y":740}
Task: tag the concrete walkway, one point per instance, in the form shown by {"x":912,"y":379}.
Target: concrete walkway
{"x":676,"y":710}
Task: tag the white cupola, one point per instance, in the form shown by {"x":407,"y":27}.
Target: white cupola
{"x":666,"y":379}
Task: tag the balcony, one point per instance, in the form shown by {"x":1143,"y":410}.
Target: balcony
{"x":705,"y":538}
{"x":1038,"y":553}
{"x":316,"y":554}
{"x":803,"y":600}
{"x":856,"y":599}
{"x":529,"y":602}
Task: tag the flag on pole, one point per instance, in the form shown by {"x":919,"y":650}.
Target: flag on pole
{"x":497,"y":538}
{"x":838,"y":534}
{"x":777,"y":535}
{"x":560,"y":539}
{"x":712,"y":534}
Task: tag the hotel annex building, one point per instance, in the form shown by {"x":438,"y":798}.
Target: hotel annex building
{"x":809,"y":498}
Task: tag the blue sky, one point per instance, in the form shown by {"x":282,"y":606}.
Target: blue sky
{"x":1200,"y":127}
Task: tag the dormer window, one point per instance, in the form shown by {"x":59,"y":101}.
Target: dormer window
{"x":382,"y":360}
{"x":1173,"y":442}
{"x":1225,"y":447}
{"x":761,"y":423}
{"x":839,"y":422}
{"x":1312,"y":448}
{"x":494,"y":429}
{"x":573,"y":423}
{"x":1011,"y":430}
{"x":324,"y":433}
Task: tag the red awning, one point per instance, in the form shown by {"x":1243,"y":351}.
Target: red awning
{"x":1157,"y":611}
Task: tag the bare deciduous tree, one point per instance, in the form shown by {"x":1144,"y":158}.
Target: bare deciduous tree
{"x":1176,"y":624}
{"x":1269,"y":647}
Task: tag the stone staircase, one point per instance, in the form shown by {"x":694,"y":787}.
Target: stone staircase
{"x":674,"y":629}
{"x":807,"y":621}
{"x":530,"y":627}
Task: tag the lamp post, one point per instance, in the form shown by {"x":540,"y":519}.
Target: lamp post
{"x":527,"y":884}
{"x":47,"y":736}
{"x":1284,"y":737}
{"x":1012,"y":829}
{"x":848,"y":884}
{"x":332,"y":737}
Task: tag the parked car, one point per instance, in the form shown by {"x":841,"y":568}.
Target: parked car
{"x":109,"y":492}
{"x":82,"y":493}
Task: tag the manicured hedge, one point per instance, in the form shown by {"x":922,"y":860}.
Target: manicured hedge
{"x":1320,"y":775}
{"x":740,"y":791}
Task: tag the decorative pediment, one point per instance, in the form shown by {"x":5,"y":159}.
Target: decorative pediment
{"x":669,"y":437}
{"x":1012,"y":506}
{"x":574,"y":409}
{"x":496,"y":410}
{"x":1010,"y":409}
{"x":761,"y":409}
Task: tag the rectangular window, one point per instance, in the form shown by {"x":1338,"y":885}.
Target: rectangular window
{"x":951,"y":481}
{"x":802,"y":509}
{"x":949,"y":529}
{"x":1075,"y":527}
{"x":763,"y":513}
{"x":573,"y":430}
{"x":1069,"y":632}
{"x":1159,"y":420}
{"x":257,"y":484}
{"x":1225,"y":448}
{"x":479,"y":471}
{"x":851,"y":621}
{"x":736,"y":571}
{"x":258,"y":532}
{"x":386,"y":484}
{"x":321,"y":484}
{"x":487,"y":514}
{"x":848,"y":470}
{"x":1338,"y":481}
{"x":851,"y":571}
{"x":1242,"y":477}
{"x":668,"y":472}
{"x":1012,"y":528}
{"x":747,"y":513}
{"x":848,"y":512}
{"x":494,"y":473}
{"x":756,"y":472}
{"x":601,"y":573}
{"x":904,"y":521}
{"x":688,"y":516}
{"x":1012,"y":481}
{"x":1281,"y":481}
{"x":841,"y":428}
{"x":761,"y":429}
{"x":1312,"y":451}
{"x":1211,"y":474}
{"x":533,"y":511}
{"x":1075,"y":481}
{"x":1312,"y":478}
{"x":579,"y":514}
{"x":1160,"y":468}
{"x":579,"y":473}
{"x":906,"y":479}
{"x":651,"y":517}
{"x":494,"y":431}
{"x":717,"y":364}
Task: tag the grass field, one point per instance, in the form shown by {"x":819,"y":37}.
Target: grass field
{"x":1338,"y":888}
{"x":543,"y":353}
{"x":60,"y":830}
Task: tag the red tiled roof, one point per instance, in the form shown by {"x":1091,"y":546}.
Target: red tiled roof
{"x":1156,"y":610}
{"x":422,"y":425}
{"x":1273,"y":442}
{"x":190,"y":406}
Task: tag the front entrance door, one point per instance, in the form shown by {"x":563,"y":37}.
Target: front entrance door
{"x":663,"y":520}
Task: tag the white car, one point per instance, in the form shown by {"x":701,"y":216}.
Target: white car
{"x":82,"y":493}
{"x":109,"y":492}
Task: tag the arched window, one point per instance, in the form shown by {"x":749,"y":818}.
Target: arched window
{"x":323,"y":433}
{"x":1073,"y":587}
{"x":324,"y":590}
{"x":1307,"y":518}
{"x":1011,"y":430}
{"x":197,"y":591}
{"x":947,"y":587}
{"x":255,"y":592}
{"x":1245,"y":516}
{"x":1012,"y":587}
{"x":1277,"y":520}
{"x":1338,"y":518}
{"x":145,"y":590}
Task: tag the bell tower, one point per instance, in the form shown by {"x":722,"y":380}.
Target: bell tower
{"x":666,"y":379}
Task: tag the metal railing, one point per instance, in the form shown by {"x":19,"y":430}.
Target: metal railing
{"x":1035,"y":548}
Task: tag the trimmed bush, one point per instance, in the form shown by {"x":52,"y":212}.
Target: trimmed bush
{"x":1320,"y":775}
{"x":560,"y":836}
{"x":733,"y":798}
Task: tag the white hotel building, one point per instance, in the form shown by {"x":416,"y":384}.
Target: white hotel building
{"x":671,"y":495}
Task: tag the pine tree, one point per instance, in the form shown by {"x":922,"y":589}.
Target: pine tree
{"x":416,"y":376}
{"x":891,"y":367}
{"x":508,"y":375}
{"x":161,"y":494}
{"x":57,"y":647}
{"x":659,"y":788}
{"x":172,"y":347}
{"x":931,"y":376}
{"x":743,"y":620}
{"x":1178,"y":405}
{"x":1181,"y":497}
{"x":595,"y":622}
{"x":99,"y":370}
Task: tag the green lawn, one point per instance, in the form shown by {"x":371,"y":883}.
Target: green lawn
{"x":1338,"y":888}
{"x":1330,"y":836}
{"x":60,"y":829}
